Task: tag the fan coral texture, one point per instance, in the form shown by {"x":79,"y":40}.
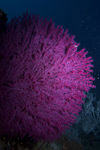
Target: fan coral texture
{"x":42,"y":79}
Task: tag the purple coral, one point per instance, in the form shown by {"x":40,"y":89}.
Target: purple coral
{"x":42,"y":79}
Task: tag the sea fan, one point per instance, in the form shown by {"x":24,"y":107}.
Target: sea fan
{"x":42,"y":79}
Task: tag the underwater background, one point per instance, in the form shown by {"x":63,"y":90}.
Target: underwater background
{"x":82,"y":18}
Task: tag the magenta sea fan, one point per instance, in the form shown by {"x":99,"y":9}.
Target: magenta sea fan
{"x":43,"y":78}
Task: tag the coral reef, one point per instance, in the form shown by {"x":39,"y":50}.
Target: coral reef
{"x":28,"y":144}
{"x":42,"y":79}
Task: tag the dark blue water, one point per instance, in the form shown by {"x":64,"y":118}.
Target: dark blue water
{"x":81,"y":17}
